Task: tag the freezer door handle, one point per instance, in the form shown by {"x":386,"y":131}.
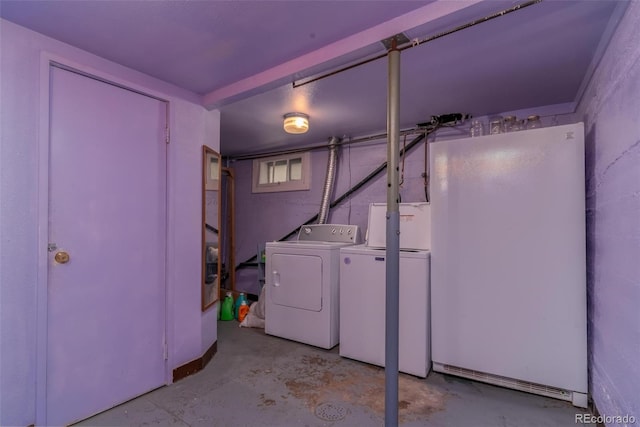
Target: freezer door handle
{"x":276,"y":278}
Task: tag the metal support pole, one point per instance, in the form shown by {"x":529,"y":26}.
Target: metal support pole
{"x":392,"y":308}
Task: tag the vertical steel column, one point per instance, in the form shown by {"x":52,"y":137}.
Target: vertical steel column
{"x":392,"y":308}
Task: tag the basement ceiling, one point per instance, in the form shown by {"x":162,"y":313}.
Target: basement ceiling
{"x":242,"y":57}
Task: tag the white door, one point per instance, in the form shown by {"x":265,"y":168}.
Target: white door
{"x":107,"y":210}
{"x":297,"y":281}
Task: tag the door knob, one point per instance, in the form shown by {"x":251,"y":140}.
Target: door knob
{"x":61,"y":257}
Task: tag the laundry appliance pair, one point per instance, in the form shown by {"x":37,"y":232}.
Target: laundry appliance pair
{"x":327,"y":287}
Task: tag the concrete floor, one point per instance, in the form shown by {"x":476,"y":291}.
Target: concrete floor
{"x":259,"y":380}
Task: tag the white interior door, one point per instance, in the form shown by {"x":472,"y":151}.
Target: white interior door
{"x":107,"y":211}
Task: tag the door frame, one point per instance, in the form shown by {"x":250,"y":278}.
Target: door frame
{"x":47,"y":62}
{"x":228,"y":225}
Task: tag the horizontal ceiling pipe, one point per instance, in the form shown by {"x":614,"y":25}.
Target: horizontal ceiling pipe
{"x":380,"y":136}
{"x":377,"y":171}
{"x":443,"y":121}
{"x":418,"y":42}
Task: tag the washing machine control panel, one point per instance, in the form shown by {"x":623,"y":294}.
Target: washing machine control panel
{"x":330,"y":233}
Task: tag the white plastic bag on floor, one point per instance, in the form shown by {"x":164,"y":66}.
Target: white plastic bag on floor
{"x":259,"y":305}
{"x":255,"y":317}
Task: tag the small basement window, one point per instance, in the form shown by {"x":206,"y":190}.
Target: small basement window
{"x":289,"y":172}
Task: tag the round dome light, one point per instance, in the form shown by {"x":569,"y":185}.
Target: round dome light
{"x":296,"y":123}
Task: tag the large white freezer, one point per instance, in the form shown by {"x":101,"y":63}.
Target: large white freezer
{"x":508,"y":284}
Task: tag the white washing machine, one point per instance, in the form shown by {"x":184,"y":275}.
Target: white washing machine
{"x":302,"y":284}
{"x":362,"y":308}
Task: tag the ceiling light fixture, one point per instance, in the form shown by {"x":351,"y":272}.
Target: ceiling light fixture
{"x":296,"y":123}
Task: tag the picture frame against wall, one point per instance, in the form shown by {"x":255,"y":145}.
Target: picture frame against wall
{"x":211,"y":230}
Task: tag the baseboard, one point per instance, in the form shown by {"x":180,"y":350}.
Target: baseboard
{"x":577,"y":399}
{"x":196,"y":365}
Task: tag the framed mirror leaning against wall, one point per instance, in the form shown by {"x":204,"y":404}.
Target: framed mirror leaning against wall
{"x":211,"y":230}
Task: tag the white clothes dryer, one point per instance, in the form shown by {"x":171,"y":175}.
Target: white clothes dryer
{"x":302,"y":284}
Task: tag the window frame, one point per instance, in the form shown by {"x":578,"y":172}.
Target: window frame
{"x":298,"y":185}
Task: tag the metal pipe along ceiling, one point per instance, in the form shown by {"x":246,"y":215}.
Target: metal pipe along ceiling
{"x":328,"y":182}
{"x":323,"y":146}
{"x":354,"y":189}
{"x":419,"y":42}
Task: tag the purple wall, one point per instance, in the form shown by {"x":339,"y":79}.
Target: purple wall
{"x":190,"y":331}
{"x":610,"y":110}
{"x":279,"y":213}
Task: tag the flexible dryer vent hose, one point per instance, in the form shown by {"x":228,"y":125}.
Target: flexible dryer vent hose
{"x":328,"y":182}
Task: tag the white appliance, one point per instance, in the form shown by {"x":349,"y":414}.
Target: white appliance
{"x":415,"y":222}
{"x":362,"y":308}
{"x":302,"y":284}
{"x":508,"y":284}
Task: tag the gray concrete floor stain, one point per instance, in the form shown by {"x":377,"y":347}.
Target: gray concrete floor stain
{"x":316,"y":380}
{"x":260,"y":380}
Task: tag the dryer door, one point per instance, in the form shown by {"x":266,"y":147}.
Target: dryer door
{"x":296,"y":281}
